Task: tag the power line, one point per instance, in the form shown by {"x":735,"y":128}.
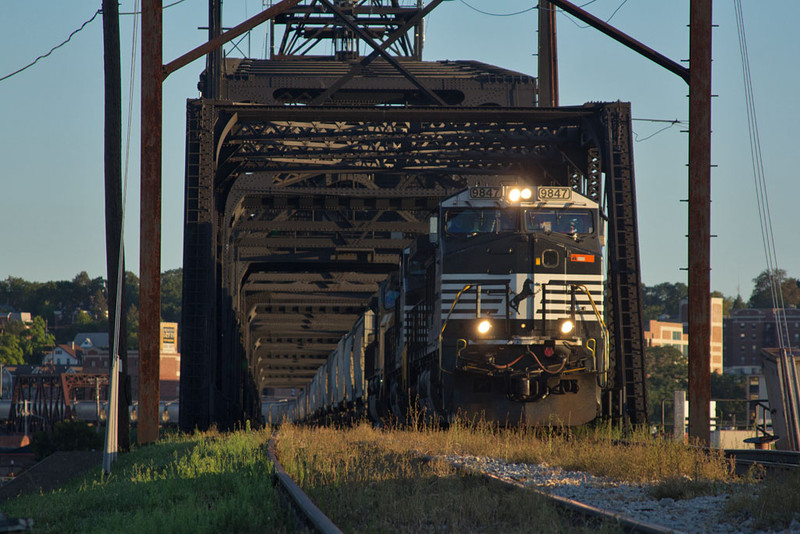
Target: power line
{"x":32,"y":63}
{"x":162,"y":8}
{"x":500,"y":14}
{"x":670,"y":124}
{"x":615,"y":11}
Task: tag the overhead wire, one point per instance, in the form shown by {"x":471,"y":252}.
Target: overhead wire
{"x":499,"y":14}
{"x":759,"y":173}
{"x":787,"y":370}
{"x":670,"y":124}
{"x":71,"y":35}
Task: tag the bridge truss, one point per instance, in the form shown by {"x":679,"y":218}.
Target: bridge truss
{"x":293,"y":215}
{"x":308,"y":176}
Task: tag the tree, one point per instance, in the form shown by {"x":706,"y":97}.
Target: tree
{"x":99,"y":305}
{"x":762,"y":290}
{"x":667,"y":372}
{"x":133,"y":327}
{"x":37,"y":341}
{"x":11,"y":352}
{"x":171,"y":290}
{"x":663,"y":299}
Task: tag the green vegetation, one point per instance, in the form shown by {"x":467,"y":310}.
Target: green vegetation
{"x":67,"y":436}
{"x":196,"y":483}
{"x":762,"y":293}
{"x":24,"y":343}
{"x":774,"y":506}
{"x":368,"y":479}
{"x":382,"y":481}
{"x":79,"y":305}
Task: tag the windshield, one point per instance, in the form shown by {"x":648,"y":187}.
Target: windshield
{"x":572,"y":222}
{"x":479,"y":221}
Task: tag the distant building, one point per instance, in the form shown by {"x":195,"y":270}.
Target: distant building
{"x":22,"y":317}
{"x":63,"y":355}
{"x":666,"y":334}
{"x":96,"y":360}
{"x":675,"y":334}
{"x":749,"y":331}
{"x":92,"y":339}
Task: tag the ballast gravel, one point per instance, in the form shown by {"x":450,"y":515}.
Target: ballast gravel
{"x":701,"y":514}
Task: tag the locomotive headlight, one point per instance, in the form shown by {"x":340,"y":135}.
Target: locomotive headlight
{"x":514,"y":195}
{"x":526,"y":193}
{"x":566,"y":327}
{"x":484,"y":326}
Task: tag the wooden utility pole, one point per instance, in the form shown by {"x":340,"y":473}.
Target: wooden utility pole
{"x":698,"y":76}
{"x":153,"y":75}
{"x":113,"y":199}
{"x":548,"y":56}
{"x":150,"y":223}
{"x":700,"y":220}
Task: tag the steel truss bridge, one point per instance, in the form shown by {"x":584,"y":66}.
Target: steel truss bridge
{"x":308,"y":176}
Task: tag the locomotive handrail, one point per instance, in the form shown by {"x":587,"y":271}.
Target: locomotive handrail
{"x":449,"y":313}
{"x":604,"y":330}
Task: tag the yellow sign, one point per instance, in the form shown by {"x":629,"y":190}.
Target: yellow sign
{"x":169,"y":338}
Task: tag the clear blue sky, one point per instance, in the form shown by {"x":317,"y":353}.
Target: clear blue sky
{"x":51,"y":133}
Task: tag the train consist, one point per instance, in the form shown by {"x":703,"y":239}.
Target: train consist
{"x":497,"y":313}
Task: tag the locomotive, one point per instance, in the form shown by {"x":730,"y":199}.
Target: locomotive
{"x":497,"y":313}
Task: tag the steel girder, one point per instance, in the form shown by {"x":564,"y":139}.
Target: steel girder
{"x":294,"y":214}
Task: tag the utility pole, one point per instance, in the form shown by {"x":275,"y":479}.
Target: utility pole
{"x":700,"y":220}
{"x":153,"y":75}
{"x":698,"y":76}
{"x":548,"y":56}
{"x":150,"y":223}
{"x":113,"y":199}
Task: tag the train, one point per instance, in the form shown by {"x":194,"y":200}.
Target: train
{"x":496,"y":313}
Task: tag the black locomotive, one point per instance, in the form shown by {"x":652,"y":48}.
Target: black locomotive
{"x":497,"y":313}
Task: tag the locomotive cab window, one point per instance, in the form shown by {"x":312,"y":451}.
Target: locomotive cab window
{"x":479,"y":221}
{"x":570,"y":222}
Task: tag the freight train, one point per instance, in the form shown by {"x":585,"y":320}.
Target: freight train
{"x":497,"y":313}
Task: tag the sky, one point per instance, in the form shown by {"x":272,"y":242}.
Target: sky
{"x":51,"y":131}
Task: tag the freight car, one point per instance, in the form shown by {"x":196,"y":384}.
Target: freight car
{"x":497,"y":313}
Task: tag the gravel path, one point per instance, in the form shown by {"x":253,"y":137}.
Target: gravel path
{"x":701,"y":514}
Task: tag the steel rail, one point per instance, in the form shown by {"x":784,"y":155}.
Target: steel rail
{"x":299,"y":499}
{"x":627,"y":523}
{"x":773,"y":461}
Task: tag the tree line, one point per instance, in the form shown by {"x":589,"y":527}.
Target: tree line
{"x":62,"y":309}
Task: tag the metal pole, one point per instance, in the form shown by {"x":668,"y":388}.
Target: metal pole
{"x":700,"y":220}
{"x":548,"y":57}
{"x":113,"y":198}
{"x":150,"y":222}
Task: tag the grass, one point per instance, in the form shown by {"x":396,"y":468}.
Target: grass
{"x":370,"y":480}
{"x":774,"y":506}
{"x":378,"y":480}
{"x":207,"y":482}
{"x":385,"y":480}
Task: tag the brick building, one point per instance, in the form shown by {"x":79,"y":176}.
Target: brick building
{"x":674,"y":334}
{"x":96,"y":360}
{"x":749,"y":331}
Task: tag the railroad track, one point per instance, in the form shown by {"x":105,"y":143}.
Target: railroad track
{"x":309,"y":513}
{"x":773,"y":461}
{"x":316,"y":519}
{"x":626,"y":523}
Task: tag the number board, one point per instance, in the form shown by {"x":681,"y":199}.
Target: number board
{"x":554,"y":193}
{"x":487,"y":192}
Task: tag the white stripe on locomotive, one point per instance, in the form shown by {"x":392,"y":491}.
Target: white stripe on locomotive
{"x":493,"y":295}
